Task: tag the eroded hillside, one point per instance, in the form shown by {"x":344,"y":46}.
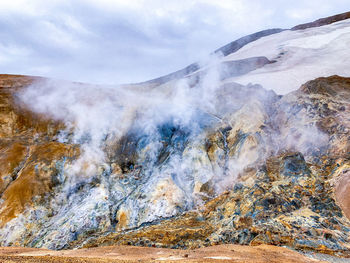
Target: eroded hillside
{"x":276,"y":169}
{"x":196,"y":158}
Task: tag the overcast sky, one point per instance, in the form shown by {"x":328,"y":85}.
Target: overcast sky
{"x":122,"y":41}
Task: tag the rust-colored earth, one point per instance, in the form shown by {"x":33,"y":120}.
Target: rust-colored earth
{"x":221,"y":253}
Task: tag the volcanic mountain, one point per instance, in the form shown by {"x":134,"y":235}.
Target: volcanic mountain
{"x":250,"y":147}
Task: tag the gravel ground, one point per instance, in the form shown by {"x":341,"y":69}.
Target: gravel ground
{"x":221,"y":253}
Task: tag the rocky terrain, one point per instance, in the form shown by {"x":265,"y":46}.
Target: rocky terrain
{"x":293,"y":198}
{"x":193,"y":159}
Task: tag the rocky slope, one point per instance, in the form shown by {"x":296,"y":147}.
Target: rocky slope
{"x":292,"y":198}
{"x":188,"y":160}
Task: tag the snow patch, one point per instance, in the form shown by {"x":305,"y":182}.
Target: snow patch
{"x":298,"y":56}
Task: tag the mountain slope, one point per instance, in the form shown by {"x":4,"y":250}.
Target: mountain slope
{"x":291,"y":198}
{"x":305,"y":52}
{"x":191,"y":159}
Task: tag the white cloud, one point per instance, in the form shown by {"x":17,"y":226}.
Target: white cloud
{"x":114,"y":41}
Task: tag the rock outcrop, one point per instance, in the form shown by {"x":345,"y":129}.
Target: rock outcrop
{"x":323,"y":21}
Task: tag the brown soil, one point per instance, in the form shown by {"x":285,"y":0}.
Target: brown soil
{"x":221,"y":253}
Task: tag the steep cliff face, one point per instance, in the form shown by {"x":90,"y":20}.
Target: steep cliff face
{"x":191,"y":160}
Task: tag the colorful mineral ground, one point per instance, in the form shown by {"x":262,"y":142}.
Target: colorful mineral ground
{"x":243,"y":158}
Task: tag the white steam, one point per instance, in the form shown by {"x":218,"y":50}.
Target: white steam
{"x":190,"y":141}
{"x":96,"y":116}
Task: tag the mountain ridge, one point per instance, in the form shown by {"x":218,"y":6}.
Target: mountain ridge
{"x":241,"y":42}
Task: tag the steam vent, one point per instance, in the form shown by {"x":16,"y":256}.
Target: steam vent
{"x":249,"y":151}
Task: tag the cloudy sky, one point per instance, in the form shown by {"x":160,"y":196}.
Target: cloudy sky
{"x":122,"y":41}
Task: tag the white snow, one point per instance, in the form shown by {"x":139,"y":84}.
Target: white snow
{"x":319,"y":40}
{"x":300,"y":56}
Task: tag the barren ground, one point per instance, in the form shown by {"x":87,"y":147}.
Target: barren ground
{"x":221,"y":253}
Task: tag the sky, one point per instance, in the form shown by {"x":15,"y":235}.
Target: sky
{"x":128,"y":41}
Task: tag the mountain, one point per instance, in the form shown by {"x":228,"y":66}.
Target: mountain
{"x":196,"y":158}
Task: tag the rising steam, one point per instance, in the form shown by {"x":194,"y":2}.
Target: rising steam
{"x":154,"y":151}
{"x":96,"y":116}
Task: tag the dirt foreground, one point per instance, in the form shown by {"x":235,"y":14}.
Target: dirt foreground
{"x":221,"y":253}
